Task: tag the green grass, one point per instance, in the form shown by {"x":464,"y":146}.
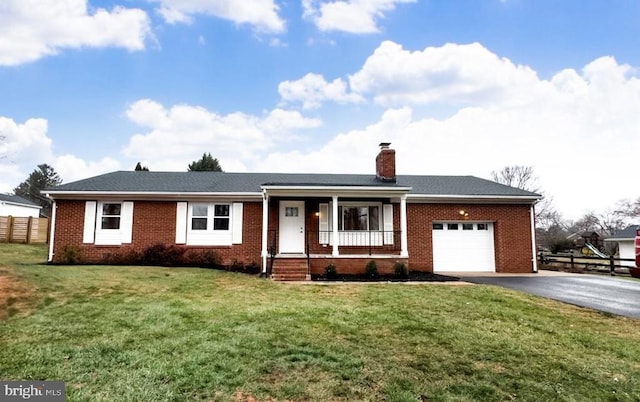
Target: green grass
{"x":178,"y":334}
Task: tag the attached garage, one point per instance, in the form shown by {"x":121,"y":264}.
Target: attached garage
{"x":463,"y":247}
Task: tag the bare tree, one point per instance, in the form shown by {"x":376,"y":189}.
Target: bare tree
{"x":523,"y":177}
{"x":629,"y":209}
{"x":517,"y":176}
{"x":604,"y":223}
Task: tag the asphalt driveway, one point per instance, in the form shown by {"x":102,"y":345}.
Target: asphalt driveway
{"x":608,"y":294}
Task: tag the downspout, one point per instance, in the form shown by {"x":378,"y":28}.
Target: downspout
{"x":54,"y":206}
{"x":265,"y":225}
{"x":533,"y":238}
{"x":404,"y":252}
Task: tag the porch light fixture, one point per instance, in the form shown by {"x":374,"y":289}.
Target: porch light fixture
{"x":317,"y":213}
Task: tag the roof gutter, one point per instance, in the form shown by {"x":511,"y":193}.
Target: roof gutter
{"x":20,"y":204}
{"x":133,"y":195}
{"x":472,"y":198}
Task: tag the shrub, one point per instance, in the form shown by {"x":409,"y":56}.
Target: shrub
{"x":159,"y":254}
{"x":330,"y":271}
{"x":371,"y":269}
{"x":252,"y":268}
{"x":203,"y":258}
{"x":70,"y":255}
{"x":130,"y":257}
{"x":400,"y":270}
{"x":236,"y":266}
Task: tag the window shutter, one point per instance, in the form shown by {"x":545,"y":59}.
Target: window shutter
{"x":126,"y":222}
{"x":323,"y":224}
{"x":237,"y":223}
{"x":181,"y":223}
{"x":88,"y":233}
{"x":387,"y":214}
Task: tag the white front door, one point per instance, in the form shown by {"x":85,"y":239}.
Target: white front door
{"x":291,"y":227}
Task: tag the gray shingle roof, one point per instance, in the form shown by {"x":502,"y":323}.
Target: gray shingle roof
{"x":16,"y":200}
{"x":626,"y":233}
{"x":199,"y":182}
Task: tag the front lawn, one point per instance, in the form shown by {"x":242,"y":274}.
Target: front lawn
{"x":178,"y":334}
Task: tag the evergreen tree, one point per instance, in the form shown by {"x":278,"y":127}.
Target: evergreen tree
{"x":140,"y":168}
{"x":41,"y":178}
{"x":207,"y":163}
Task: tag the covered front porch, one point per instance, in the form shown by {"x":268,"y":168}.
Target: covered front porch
{"x":304,"y":230}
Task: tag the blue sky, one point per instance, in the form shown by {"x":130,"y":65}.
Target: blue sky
{"x":457,"y":87}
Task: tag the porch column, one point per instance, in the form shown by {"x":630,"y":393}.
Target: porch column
{"x":403,"y":226}
{"x":334,"y":219}
{"x":265,"y":229}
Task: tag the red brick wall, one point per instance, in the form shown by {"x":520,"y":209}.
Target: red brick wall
{"x":353,"y":266}
{"x":512,"y":233}
{"x":154,"y":222}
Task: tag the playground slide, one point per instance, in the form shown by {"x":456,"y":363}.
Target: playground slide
{"x":595,"y":251}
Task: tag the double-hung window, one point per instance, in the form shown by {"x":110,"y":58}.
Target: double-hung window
{"x":211,"y":224}
{"x":111,"y":216}
{"x":221,"y":217}
{"x":199,"y":216}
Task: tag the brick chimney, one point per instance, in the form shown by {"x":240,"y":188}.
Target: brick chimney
{"x":386,"y":163}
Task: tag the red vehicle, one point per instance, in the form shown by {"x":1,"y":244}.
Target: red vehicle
{"x":635,"y":272}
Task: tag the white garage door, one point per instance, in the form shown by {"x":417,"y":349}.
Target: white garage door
{"x":463,"y":247}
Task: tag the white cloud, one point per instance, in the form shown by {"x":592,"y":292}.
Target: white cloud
{"x":261,"y":14}
{"x":312,"y":90}
{"x":180,"y":134}
{"x":24,"y":146}
{"x":459,"y":74}
{"x":72,"y":168}
{"x":353,"y":16}
{"x":282,"y":122}
{"x":32,"y":29}
{"x":277,"y":42}
{"x":578,"y":129}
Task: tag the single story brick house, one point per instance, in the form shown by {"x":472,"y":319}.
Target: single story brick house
{"x":294,"y":225}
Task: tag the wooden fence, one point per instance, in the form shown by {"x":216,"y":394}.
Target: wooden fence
{"x":24,"y":230}
{"x":580,"y":263}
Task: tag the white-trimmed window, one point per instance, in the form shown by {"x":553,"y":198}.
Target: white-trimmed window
{"x":209,"y":223}
{"x":108,"y":223}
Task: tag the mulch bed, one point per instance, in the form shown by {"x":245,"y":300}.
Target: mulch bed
{"x":413,"y":277}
